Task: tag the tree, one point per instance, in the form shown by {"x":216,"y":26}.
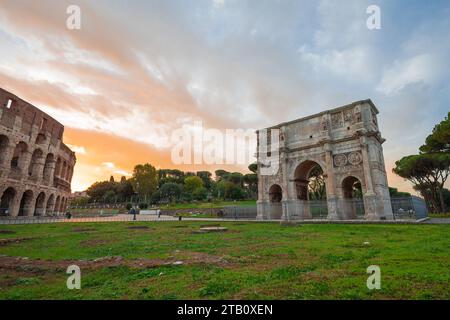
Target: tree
{"x":111,"y":179}
{"x":206,"y":178}
{"x":191,"y":183}
{"x":393,"y":192}
{"x":200,"y":193}
{"x":144,"y":180}
{"x":236,"y":178}
{"x":155,"y":197}
{"x":170,"y":191}
{"x":253,"y":167}
{"x":124,"y":190}
{"x":251,"y":184}
{"x":220,"y":174}
{"x":170,"y":175}
{"x":428,"y":173}
{"x":123,"y":179}
{"x":98,"y":190}
{"x":439,"y":139}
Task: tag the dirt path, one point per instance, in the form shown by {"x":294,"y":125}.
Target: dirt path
{"x":37,"y":265}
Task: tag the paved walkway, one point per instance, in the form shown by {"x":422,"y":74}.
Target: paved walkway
{"x":438,"y":221}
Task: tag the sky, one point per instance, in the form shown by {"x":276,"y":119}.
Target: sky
{"x":138,"y":70}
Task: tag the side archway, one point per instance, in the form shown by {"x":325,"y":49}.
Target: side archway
{"x":353,"y":204}
{"x":7,"y":201}
{"x":50,"y":205}
{"x":40,"y":205}
{"x":57,"y":204}
{"x":26,"y":204}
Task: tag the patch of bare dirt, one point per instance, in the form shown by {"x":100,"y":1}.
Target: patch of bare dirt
{"x":83,"y":229}
{"x":42,"y":266}
{"x":5,"y":242}
{"x":138,"y":228}
{"x":7,"y":232}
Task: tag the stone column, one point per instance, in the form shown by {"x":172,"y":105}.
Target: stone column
{"x":24,"y":162}
{"x":15,"y":205}
{"x":50,"y":173}
{"x":370,"y":198}
{"x":30,"y":207}
{"x":5,"y":166}
{"x":330,"y":184}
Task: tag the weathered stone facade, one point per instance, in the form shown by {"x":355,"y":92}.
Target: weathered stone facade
{"x":36,"y":167}
{"x":345,"y":143}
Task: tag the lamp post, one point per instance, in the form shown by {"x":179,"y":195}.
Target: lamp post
{"x":135,"y":206}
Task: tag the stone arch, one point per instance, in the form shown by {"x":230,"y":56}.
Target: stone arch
{"x":35,"y":163}
{"x":275,"y":197}
{"x":50,"y":205}
{"x":63,"y":170}
{"x":40,"y":205}
{"x":63,"y":201}
{"x":26,"y":204}
{"x":18,"y":158}
{"x":302,"y":177}
{"x":7,"y":201}
{"x":41,"y":138}
{"x":69,"y":169}
{"x":58,"y":167}
{"x":352,"y":192}
{"x":57,"y":204}
{"x":275,"y":193}
{"x":48,"y":167}
{"x":4,"y":145}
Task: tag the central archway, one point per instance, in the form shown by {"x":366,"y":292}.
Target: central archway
{"x":310,"y":190}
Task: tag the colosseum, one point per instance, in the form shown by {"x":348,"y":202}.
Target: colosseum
{"x":36,"y":167}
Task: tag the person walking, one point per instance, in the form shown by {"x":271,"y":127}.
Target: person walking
{"x":133,"y":212}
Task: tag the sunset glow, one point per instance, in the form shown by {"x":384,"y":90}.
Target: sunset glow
{"x":121,"y":85}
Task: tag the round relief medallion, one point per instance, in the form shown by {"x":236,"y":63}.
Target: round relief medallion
{"x":354,"y":158}
{"x":340,"y":160}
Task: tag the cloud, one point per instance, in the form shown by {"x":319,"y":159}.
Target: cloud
{"x":77,"y":149}
{"x":136,"y":71}
{"x":108,"y":165}
{"x":421,"y":69}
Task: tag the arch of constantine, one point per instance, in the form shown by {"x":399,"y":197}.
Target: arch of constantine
{"x":36,"y":167}
{"x":331,"y":162}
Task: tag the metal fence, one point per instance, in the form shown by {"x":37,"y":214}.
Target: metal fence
{"x":239,"y":212}
{"x":403,"y":208}
{"x":62,"y":219}
{"x":409,"y":208}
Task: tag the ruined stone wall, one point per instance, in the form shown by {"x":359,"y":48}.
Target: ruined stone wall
{"x":36,"y":167}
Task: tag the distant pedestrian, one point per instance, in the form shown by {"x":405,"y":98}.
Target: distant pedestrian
{"x":133,"y":212}
{"x":68,"y":215}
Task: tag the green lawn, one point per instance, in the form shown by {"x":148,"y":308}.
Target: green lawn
{"x":250,"y":261}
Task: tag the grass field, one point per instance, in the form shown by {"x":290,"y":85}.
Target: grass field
{"x":249,"y":261}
